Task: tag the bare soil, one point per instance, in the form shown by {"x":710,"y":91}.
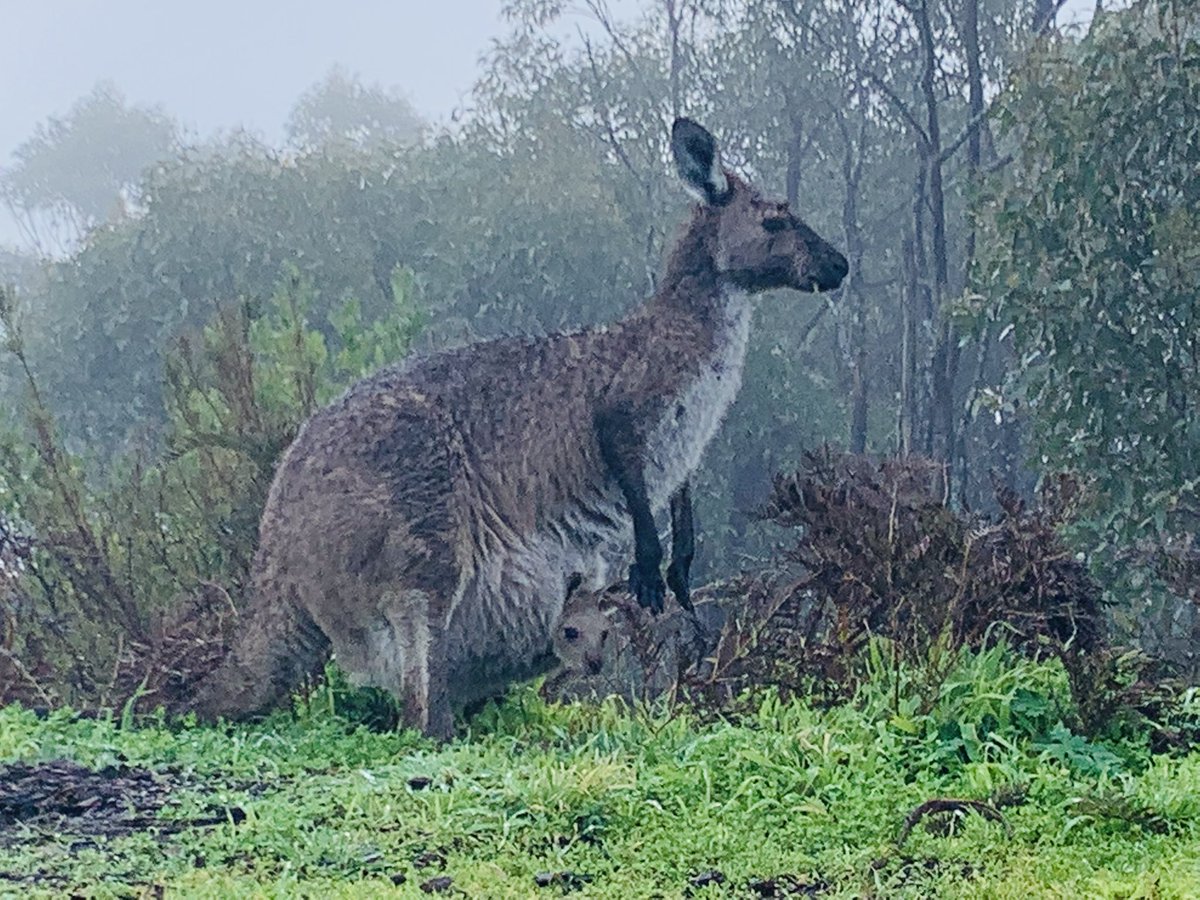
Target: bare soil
{"x":63,"y":802}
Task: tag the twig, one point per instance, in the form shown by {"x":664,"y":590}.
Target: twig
{"x":950,"y":804}
{"x":812,"y":323}
{"x":27,"y":675}
{"x":876,"y":80}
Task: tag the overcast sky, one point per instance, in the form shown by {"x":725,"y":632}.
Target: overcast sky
{"x":220,"y":64}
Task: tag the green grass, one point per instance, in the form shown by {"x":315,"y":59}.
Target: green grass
{"x":642,"y":801}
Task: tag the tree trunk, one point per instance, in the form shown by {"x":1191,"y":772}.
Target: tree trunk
{"x":975,"y":109}
{"x":852,"y":295}
{"x":941,"y":422}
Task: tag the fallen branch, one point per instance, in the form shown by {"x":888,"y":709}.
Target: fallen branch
{"x":950,"y":804}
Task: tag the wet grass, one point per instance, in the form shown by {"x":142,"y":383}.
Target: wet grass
{"x":603,"y":801}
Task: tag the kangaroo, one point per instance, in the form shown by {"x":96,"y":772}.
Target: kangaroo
{"x":579,"y":646}
{"x":582,"y":636}
{"x":428,"y":524}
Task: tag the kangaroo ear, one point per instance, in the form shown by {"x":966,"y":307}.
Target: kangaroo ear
{"x":698,"y":161}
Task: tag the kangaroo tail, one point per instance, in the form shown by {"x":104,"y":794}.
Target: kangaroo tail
{"x":276,"y":647}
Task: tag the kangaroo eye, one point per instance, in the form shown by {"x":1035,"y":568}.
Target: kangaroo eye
{"x":571,"y":634}
{"x":775,"y":223}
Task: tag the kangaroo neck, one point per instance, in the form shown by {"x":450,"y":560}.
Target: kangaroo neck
{"x":691,"y":284}
{"x":697,"y":321}
{"x":692,"y":288}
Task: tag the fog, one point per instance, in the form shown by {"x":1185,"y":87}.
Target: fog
{"x":225,"y":64}
{"x":823,"y":373}
{"x":421,"y":175}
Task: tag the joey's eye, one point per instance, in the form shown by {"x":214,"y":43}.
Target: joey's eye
{"x":775,"y":223}
{"x":571,"y":634}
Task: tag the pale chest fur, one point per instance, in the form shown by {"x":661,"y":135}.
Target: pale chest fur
{"x":594,"y":537}
{"x":676,"y":444}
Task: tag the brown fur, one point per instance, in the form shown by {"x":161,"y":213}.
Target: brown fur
{"x":584,"y":636}
{"x":426,"y":524}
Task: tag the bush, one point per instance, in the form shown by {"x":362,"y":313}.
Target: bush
{"x":881,"y":555}
{"x":886,"y":583}
{"x":116,"y":553}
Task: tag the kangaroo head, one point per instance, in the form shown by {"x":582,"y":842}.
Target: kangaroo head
{"x":761,"y":244}
{"x":582,"y":635}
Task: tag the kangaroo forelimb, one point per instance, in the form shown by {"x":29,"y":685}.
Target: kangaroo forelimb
{"x":683,"y":545}
{"x":620,"y":448}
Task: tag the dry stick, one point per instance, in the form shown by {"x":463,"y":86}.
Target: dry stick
{"x":27,"y":675}
{"x":599,"y":9}
{"x":950,"y":804}
{"x":116,"y":672}
{"x":44,"y":429}
{"x":895,"y":606}
{"x":97,"y":563}
{"x":808,"y":328}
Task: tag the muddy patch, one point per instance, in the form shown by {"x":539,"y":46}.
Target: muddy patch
{"x":62,"y":801}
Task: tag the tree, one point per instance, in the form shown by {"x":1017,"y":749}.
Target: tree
{"x":80,"y":170}
{"x":342,"y":110}
{"x":492,"y":247}
{"x":1091,"y":263}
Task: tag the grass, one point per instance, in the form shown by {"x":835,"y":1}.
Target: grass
{"x":639,"y":803}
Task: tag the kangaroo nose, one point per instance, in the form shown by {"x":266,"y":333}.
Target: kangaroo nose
{"x":840,"y":267}
{"x":833,"y":271}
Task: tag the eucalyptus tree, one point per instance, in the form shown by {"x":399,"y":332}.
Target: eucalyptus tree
{"x":1090,"y":263}
{"x":80,"y":169}
{"x":340,"y":109}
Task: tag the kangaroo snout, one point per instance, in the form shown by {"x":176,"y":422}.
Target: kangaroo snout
{"x":826,"y":271}
{"x":822,"y":270}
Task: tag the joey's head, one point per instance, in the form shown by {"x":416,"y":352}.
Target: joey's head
{"x":760,"y":244}
{"x":583,"y":635}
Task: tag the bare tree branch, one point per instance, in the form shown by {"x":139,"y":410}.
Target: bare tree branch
{"x":963,"y":136}
{"x":865,"y":72}
{"x":610,"y":134}
{"x":599,"y":9}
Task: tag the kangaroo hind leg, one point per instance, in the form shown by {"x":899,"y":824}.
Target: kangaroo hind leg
{"x":415,"y":670}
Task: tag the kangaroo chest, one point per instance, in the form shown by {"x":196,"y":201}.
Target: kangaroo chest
{"x":594,"y":535}
{"x":690,"y":419}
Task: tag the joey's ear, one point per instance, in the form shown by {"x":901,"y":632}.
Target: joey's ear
{"x":698,"y":161}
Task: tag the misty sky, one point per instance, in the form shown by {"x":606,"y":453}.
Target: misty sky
{"x":221,"y":64}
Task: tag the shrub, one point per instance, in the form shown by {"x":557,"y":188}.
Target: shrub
{"x":116,"y":553}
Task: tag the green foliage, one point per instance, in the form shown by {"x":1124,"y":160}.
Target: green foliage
{"x":340,"y":110}
{"x":1078,"y":753}
{"x":490,"y":249}
{"x":364,"y":346}
{"x":236,"y":398}
{"x":1092,"y":260}
{"x":641,"y":802}
{"x":118,"y":546}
